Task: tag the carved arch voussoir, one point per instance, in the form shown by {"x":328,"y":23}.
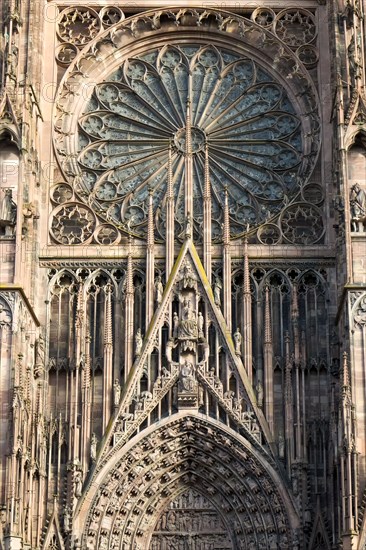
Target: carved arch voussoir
{"x":126,"y":499}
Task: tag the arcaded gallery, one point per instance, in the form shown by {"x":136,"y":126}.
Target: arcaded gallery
{"x":182,"y":275}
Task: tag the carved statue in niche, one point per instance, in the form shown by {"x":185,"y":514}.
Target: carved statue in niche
{"x":78,"y":483}
{"x":358,"y":208}
{"x":175,"y":324}
{"x":217,"y":291}
{"x":138,"y":342}
{"x":188,"y":329}
{"x":93,"y":447}
{"x":237,"y":340}
{"x":200,"y":322}
{"x":39,"y":357}
{"x":116,"y":392}
{"x":188,"y":280}
{"x":259,"y":389}
{"x":8,"y":214}
{"x":159,"y":289}
{"x":187,"y":379}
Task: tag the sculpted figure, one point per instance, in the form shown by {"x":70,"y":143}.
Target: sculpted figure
{"x":78,"y":483}
{"x":188,"y":279}
{"x":93,"y":447}
{"x":188,"y":325}
{"x":187,"y":377}
{"x":175,"y":324}
{"x":116,"y":392}
{"x":358,"y":207}
{"x":159,"y":289}
{"x":259,"y":389}
{"x":217,"y":291}
{"x":200,"y":325}
{"x":188,"y":231}
{"x":39,"y":357}
{"x":8,"y":213}
{"x":138,"y":342}
{"x":237,"y":340}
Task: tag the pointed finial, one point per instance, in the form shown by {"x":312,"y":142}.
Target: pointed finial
{"x":345,"y":371}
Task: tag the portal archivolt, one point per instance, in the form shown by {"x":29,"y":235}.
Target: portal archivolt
{"x":170,"y":486}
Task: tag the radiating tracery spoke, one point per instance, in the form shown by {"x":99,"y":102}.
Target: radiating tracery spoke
{"x":253,"y":136}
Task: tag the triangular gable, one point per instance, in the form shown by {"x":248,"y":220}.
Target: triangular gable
{"x":53,"y":539}
{"x":319,"y":537}
{"x":356,"y":114}
{"x":8,"y":120}
{"x":188,"y":253}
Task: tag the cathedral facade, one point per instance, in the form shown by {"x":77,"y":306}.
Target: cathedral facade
{"x":183,"y":275}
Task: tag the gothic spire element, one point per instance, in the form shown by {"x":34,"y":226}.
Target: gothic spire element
{"x":188,"y":164}
{"x":207,"y":238}
{"x":268,"y":362}
{"x":169,"y":217}
{"x":247,"y":308}
{"x":348,"y":456}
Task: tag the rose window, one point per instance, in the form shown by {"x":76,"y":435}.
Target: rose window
{"x":195,"y":100}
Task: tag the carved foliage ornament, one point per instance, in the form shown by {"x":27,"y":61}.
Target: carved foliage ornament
{"x":260,"y":139}
{"x":359,"y":311}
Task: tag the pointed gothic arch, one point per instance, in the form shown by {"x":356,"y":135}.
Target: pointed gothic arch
{"x":186,"y":451}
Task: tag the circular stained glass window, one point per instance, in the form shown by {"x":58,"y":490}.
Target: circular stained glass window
{"x":197,"y":101}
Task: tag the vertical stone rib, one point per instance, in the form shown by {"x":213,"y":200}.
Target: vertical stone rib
{"x":169,"y":218}
{"x":150,"y":262}
{"x":268,"y":362}
{"x":227,"y":264}
{"x":288,"y":403}
{"x":129,"y":303}
{"x":79,"y":329}
{"x":108,"y":356}
{"x":295,"y":324}
{"x":86,"y":406}
{"x":207,"y":239}
{"x":188,"y":165}
{"x":247,"y":309}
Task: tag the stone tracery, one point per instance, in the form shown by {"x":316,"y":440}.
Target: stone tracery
{"x":147,"y":101}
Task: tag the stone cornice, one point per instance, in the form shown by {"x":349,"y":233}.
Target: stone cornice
{"x":17,"y":288}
